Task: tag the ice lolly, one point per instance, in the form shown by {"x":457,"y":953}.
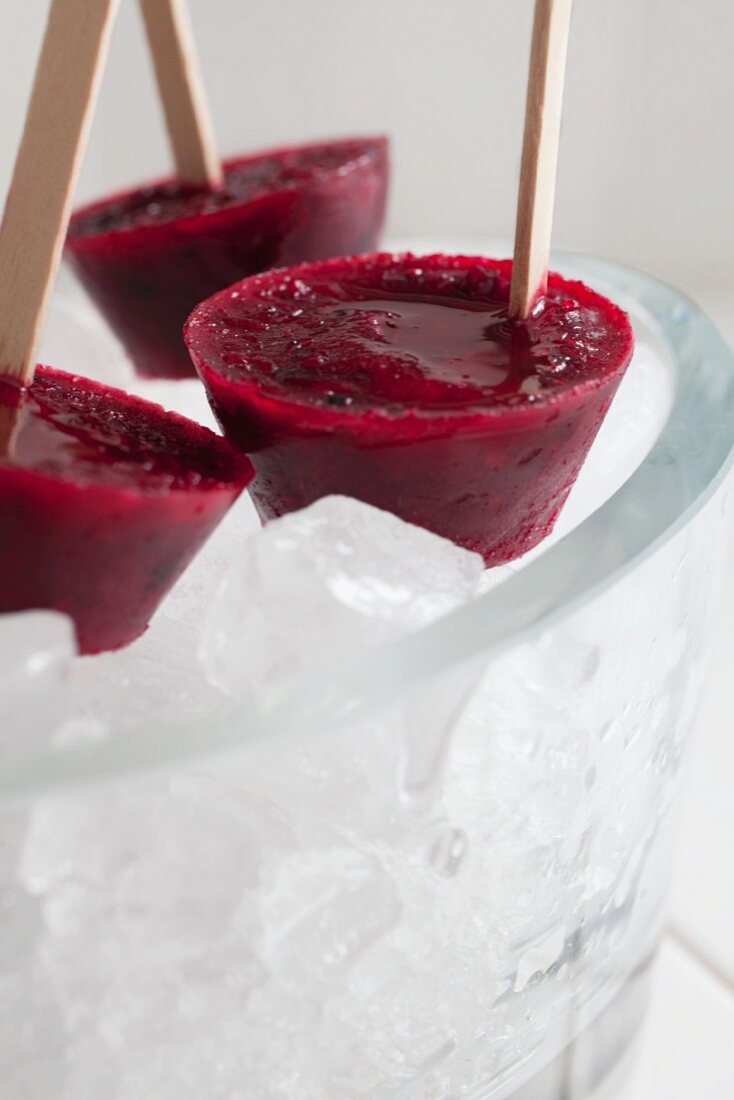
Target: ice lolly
{"x":105,"y":498}
{"x":402,"y":381}
{"x":147,"y":256}
{"x":461,"y":393}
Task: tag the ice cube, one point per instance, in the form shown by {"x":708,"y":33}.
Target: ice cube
{"x":223,"y":550}
{"x":321,"y":910}
{"x":147,"y":924}
{"x":36,"y":652}
{"x":158,"y":680}
{"x":155,"y":681}
{"x":336,"y":578}
{"x":628,"y":433}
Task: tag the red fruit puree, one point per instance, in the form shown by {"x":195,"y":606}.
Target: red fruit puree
{"x":147,"y":256}
{"x":401,"y":381}
{"x":104,"y":500}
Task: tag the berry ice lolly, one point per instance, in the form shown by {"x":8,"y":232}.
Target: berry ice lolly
{"x":147,"y":256}
{"x":401,"y":381}
{"x":104,"y":499}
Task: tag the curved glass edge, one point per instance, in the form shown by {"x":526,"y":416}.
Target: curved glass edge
{"x":690,"y":460}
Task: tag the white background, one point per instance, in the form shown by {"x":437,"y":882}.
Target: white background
{"x":647,"y":168}
{"x":646,"y":176}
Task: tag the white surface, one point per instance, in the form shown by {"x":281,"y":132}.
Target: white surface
{"x":688,"y":1046}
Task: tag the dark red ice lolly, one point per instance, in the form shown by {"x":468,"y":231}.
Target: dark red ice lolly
{"x":104,"y":500}
{"x":402,"y":382}
{"x":148,"y":256}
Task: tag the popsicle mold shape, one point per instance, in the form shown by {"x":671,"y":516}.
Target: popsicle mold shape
{"x":400,"y":380}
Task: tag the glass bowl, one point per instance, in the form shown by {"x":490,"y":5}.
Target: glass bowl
{"x":437,"y":872}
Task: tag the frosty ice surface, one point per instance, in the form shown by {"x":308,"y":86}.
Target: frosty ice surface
{"x":325,"y":582}
{"x":36,"y":651}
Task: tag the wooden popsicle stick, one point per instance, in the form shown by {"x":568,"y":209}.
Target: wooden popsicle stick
{"x":46,"y":168}
{"x":181,"y":88}
{"x":536,"y":196}
{"x":8,"y":422}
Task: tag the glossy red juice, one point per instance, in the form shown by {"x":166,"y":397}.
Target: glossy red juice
{"x":401,"y":381}
{"x":104,"y":501}
{"x":147,"y":256}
